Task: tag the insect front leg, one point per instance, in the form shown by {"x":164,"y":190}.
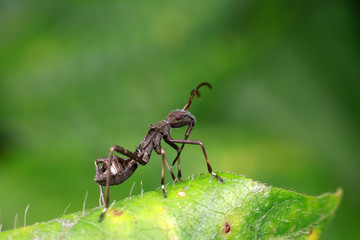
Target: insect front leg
{"x":188,"y":131}
{"x":197,"y":142}
{"x":178,"y":150}
{"x":177,"y":158}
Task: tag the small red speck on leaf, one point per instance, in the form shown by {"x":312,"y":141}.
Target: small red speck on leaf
{"x":226,"y":228}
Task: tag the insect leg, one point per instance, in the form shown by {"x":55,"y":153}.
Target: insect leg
{"x":97,"y":161}
{"x":179,"y":170}
{"x":125,"y":152}
{"x":163,"y":171}
{"x":178,"y":155}
{"x":101,"y":194}
{"x":197,"y":142}
{"x":188,"y":131}
{"x":167,"y":164}
{"x":107,"y":188}
{"x":177,"y":158}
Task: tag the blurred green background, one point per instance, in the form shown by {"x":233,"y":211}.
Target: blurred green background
{"x":80,"y":76}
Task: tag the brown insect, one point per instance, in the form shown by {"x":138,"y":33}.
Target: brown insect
{"x":115,"y":170}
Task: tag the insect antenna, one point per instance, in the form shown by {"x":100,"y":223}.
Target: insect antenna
{"x":197,"y":93}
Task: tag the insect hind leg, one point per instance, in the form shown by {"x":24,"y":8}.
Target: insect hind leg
{"x":125,"y":152}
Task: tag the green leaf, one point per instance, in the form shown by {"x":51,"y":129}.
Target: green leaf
{"x":201,"y":208}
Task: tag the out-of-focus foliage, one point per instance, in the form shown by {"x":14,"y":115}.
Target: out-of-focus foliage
{"x":79,"y":76}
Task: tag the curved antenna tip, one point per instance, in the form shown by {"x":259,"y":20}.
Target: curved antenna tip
{"x":202,"y":84}
{"x":197,"y":93}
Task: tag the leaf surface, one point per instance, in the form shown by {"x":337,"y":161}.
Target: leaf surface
{"x":200,"y":208}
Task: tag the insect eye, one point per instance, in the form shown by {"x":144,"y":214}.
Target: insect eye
{"x":178,"y":116}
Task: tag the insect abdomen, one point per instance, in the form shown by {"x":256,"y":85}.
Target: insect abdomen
{"x":120,"y":171}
